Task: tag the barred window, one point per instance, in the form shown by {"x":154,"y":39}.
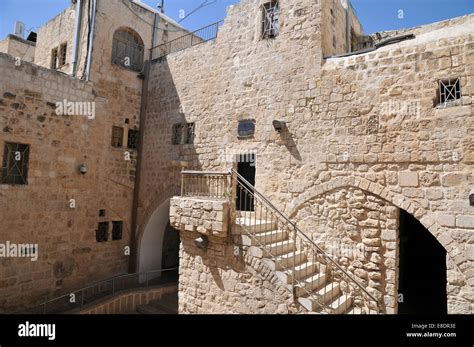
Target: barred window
{"x":270,"y":20}
{"x":177,"y":134}
{"x":189,"y":133}
{"x":102,"y":232}
{"x":15,"y":164}
{"x":54,"y":58}
{"x":117,"y":136}
{"x":449,"y":90}
{"x":127,"y":49}
{"x":117,"y":228}
{"x":132,"y":142}
{"x":62,"y":54}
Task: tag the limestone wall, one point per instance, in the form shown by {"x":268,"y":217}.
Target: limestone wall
{"x":365,"y":122}
{"x":40,"y":212}
{"x":18,"y":48}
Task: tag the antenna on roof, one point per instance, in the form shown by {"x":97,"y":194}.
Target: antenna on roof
{"x":161,"y":6}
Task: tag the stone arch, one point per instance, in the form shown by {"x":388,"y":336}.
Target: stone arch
{"x":128,"y":44}
{"x":416,"y":210}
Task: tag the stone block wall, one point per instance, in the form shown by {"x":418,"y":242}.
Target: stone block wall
{"x":19,"y":48}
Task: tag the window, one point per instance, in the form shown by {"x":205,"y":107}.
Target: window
{"x":132,"y":142}
{"x":177,"y":134}
{"x":189,"y":133}
{"x":271,"y":14}
{"x":127,"y":49}
{"x":15,"y":164}
{"x":62,"y":54}
{"x":54,"y":58}
{"x":117,"y":136}
{"x":246,"y":128}
{"x":102,"y":233}
{"x":101,"y":213}
{"x":449,"y":90}
{"x":117,"y":228}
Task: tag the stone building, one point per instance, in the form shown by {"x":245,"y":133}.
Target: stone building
{"x":305,"y":166}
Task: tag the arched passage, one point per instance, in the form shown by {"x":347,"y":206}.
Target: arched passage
{"x":159,"y":242}
{"x":422,"y":269}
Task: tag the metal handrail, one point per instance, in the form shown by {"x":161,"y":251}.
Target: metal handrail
{"x":302,"y":234}
{"x":112,"y":280}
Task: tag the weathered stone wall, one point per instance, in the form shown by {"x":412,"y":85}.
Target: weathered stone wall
{"x":18,"y":48}
{"x":365,"y":122}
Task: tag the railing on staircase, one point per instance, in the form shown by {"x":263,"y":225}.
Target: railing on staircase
{"x":287,"y":246}
{"x":78,"y":299}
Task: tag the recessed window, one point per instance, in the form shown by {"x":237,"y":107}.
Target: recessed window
{"x":132,"y":141}
{"x":54,"y":58}
{"x":102,"y":213}
{"x":270,"y":21}
{"x":117,"y":228}
{"x":62,"y":54}
{"x":15,"y":163}
{"x":449,"y":90}
{"x":127,"y":50}
{"x":102,"y":232}
{"x":246,"y":128}
{"x":189,"y":133}
{"x":177,"y":134}
{"x":117,"y":136}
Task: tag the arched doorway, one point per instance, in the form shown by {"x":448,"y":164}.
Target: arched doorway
{"x":422,"y":269}
{"x":159,"y":245}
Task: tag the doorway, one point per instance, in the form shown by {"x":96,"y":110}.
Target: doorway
{"x":247,"y":169}
{"x":422,"y":269}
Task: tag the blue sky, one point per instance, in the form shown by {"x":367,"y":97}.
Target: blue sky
{"x":375,"y":15}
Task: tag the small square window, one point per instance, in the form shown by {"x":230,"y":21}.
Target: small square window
{"x":102,"y":213}
{"x":117,"y":136}
{"x":62,"y":54}
{"x":102,"y":233}
{"x":177,"y":134}
{"x":189,"y":133}
{"x":54,"y":58}
{"x":270,"y":21}
{"x":15,"y":163}
{"x":117,"y":228}
{"x":449,"y":90}
{"x":132,"y":142}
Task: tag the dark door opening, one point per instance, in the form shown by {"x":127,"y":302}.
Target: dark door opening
{"x":170,"y":253}
{"x":246,"y":168}
{"x":422,"y":280}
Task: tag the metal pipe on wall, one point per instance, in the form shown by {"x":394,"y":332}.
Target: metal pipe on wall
{"x":91,"y":40}
{"x":76,"y":36}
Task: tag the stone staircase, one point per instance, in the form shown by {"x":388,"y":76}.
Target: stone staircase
{"x":314,"y":290}
{"x":167,"y":304}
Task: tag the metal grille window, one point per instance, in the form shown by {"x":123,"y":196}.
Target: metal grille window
{"x":132,"y":142}
{"x":189,"y":133}
{"x":117,"y":136}
{"x":102,"y":232}
{"x":270,"y":21}
{"x":15,"y":164}
{"x":177,"y":134}
{"x":62,"y":54}
{"x":117,"y":228}
{"x":54,"y":58}
{"x":449,"y":90}
{"x":127,"y":50}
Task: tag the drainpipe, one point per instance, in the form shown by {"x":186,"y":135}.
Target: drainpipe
{"x":348,"y":28}
{"x":76,"y":36}
{"x":155,"y":34}
{"x":91,"y":41}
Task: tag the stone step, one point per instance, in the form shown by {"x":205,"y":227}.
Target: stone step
{"x":167,"y":304}
{"x":310,"y":284}
{"x":303,"y":270}
{"x":265,"y":237}
{"x":272,"y":250}
{"x":354,"y":310}
{"x":255,"y":225}
{"x":284,"y":261}
{"x":341,"y":304}
{"x":323,"y":296}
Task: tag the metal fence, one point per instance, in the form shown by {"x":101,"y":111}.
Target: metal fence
{"x":186,"y":41}
{"x":75,"y":301}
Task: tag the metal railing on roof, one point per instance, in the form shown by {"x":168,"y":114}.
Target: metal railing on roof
{"x":194,"y":38}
